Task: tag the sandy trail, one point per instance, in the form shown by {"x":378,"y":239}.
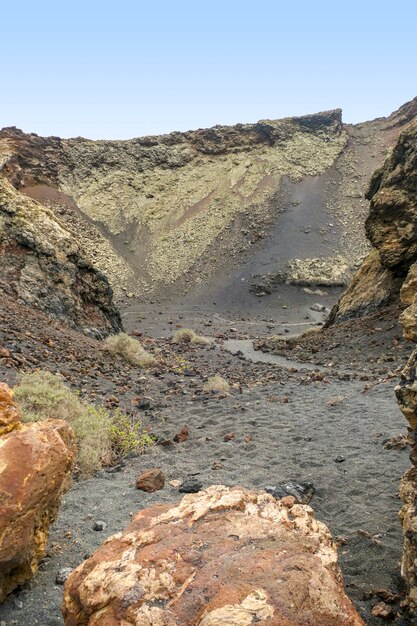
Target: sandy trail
{"x":298,"y":427}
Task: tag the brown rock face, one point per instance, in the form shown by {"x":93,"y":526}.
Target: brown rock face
{"x":391,"y":224}
{"x":222,"y":556}
{"x":391,"y":227}
{"x":42,"y":264}
{"x":36,"y":461}
{"x":372,"y":286}
{"x":151,"y":480}
{"x":9,"y":415}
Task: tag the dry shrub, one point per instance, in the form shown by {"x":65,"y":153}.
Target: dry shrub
{"x":216,"y":384}
{"x":99,"y":434}
{"x":130,"y":350}
{"x":186,"y":335}
{"x":313,"y":330}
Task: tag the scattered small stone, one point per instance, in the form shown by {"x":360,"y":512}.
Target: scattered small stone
{"x":182,"y":435}
{"x":151,"y":480}
{"x":385,"y":594}
{"x":175,"y":483}
{"x":247,"y":438}
{"x":382,"y":610}
{"x":339,"y":459}
{"x":165,"y":442}
{"x":302,"y":492}
{"x":319,"y":308}
{"x":99,"y":525}
{"x":62,"y":575}
{"x":217,"y":465}
{"x":341,"y":540}
{"x":398,"y":442}
{"x":144,"y":404}
{"x":229,"y":436}
{"x":335,"y":401}
{"x":190,"y":485}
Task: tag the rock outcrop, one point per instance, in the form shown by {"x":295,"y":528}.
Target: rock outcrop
{"x":42,"y":264}
{"x":391,"y":227}
{"x":391,"y":224}
{"x":372,"y":287}
{"x":36,"y":461}
{"x":222,"y":556}
{"x":390,"y":272}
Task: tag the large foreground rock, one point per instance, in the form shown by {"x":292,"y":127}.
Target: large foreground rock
{"x":222,"y":556}
{"x":36,"y":461}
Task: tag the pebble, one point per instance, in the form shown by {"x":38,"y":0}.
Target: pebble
{"x":151,"y":480}
{"x":190,"y":485}
{"x":182,"y":435}
{"x":99,"y":525}
{"x":339,"y":459}
{"x":62,"y":575}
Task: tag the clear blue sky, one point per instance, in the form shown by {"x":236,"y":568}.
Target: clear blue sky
{"x":123,"y":69}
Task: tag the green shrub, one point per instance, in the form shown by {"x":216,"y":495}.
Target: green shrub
{"x":128,"y":434}
{"x":100,"y":435}
{"x":130,"y":350}
{"x":186,"y":335}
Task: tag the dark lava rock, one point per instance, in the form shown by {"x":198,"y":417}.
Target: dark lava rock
{"x":302,"y":492}
{"x":190,"y":485}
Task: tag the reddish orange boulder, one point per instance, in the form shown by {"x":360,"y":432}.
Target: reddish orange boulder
{"x":151,"y":480}
{"x":222,"y":556}
{"x":9,"y":415}
{"x":36,"y":461}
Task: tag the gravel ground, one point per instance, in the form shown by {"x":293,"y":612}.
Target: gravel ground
{"x":326,"y":428}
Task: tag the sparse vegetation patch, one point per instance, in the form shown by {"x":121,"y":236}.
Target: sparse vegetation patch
{"x":130,"y":350}
{"x":101,"y":435}
{"x":216,"y":384}
{"x":186,"y":335}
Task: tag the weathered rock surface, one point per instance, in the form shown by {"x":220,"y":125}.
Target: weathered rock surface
{"x":151,"y":480}
{"x":391,"y":227}
{"x":224,"y":556}
{"x":330,"y":272}
{"x":372,"y":286}
{"x":391,"y":224}
{"x":36,"y":461}
{"x":391,"y":271}
{"x":42,"y":264}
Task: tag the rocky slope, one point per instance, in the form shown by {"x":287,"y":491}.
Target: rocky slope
{"x":391,"y":229}
{"x":42,"y":264}
{"x":254,"y":202}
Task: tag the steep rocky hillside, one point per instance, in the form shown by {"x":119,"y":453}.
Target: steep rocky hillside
{"x":257,"y":204}
{"x":42,"y":264}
